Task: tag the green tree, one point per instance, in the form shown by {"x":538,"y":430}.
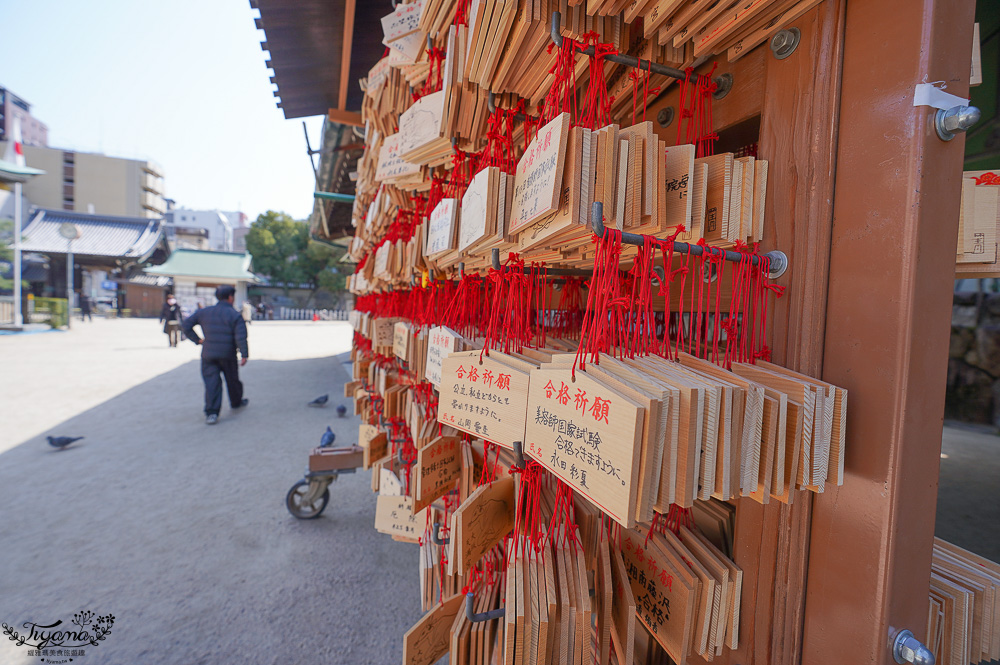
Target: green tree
{"x":281,"y":249}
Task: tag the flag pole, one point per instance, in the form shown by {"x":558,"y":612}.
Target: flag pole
{"x":18,"y":319}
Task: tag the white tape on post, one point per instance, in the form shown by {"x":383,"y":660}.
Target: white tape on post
{"x":928,"y":94}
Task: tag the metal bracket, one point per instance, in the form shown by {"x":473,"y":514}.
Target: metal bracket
{"x":437,"y":539}
{"x":491,"y":105}
{"x":482,"y":616}
{"x":519,"y":461}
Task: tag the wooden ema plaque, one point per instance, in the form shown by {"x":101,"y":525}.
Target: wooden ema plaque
{"x":440,"y":342}
{"x":588,"y":436}
{"x":421,"y":123}
{"x":394,"y":516}
{"x":401,"y":336}
{"x":486,"y":517}
{"x":385,"y":331}
{"x":429,"y":639}
{"x":404,"y":20}
{"x":483,"y":397}
{"x":441,"y":227}
{"x":390,"y":165}
{"x":663,"y":604}
{"x":439,"y":466}
{"x":540,"y":174}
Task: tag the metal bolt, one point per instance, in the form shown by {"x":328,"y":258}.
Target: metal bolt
{"x":665,"y":116}
{"x":784,"y":43}
{"x":956,"y":119}
{"x":723,"y":84}
{"x":908,"y":649}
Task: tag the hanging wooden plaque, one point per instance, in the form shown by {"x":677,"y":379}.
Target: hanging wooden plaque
{"x":483,"y":397}
{"x":401,"y":336}
{"x":539,"y":174}
{"x":428,"y":640}
{"x":404,"y":20}
{"x":484,"y":519}
{"x":440,"y":342}
{"x":394,"y":516}
{"x":588,"y":436}
{"x":441,"y":227}
{"x":439,"y":465}
{"x":663,"y":603}
{"x":390,"y":165}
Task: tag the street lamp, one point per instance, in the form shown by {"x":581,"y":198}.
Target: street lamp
{"x":71,"y":232}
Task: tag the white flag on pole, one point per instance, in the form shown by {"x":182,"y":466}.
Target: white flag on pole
{"x":15,"y":152}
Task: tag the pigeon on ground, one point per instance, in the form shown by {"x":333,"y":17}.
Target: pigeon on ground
{"x":341,"y":410}
{"x":327,"y":439}
{"x":62,"y":441}
{"x":320,"y":401}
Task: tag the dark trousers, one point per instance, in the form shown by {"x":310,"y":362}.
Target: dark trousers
{"x":173,"y":332}
{"x":211,"y":368}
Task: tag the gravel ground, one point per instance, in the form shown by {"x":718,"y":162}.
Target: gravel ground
{"x":178,"y":529}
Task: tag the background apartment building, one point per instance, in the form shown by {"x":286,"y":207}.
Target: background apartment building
{"x":94,"y":183}
{"x":33,"y":131}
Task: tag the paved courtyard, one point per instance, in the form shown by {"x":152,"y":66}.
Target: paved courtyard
{"x":178,"y":529}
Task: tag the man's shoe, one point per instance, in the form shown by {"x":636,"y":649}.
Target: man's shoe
{"x":211,"y":419}
{"x":243,"y":402}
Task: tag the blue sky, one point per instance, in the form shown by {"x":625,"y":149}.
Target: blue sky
{"x":181,"y":82}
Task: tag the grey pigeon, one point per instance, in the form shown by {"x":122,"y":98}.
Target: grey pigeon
{"x":320,"y":401}
{"x":327,"y":439}
{"x":62,"y":441}
{"x":341,"y":410}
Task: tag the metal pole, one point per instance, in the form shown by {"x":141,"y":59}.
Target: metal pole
{"x":18,"y":319}
{"x":69,"y":284}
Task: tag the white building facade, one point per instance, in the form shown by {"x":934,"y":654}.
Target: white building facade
{"x":220,"y":224}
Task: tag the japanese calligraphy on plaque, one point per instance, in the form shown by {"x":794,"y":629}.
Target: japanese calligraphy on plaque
{"x":404,"y":20}
{"x":662,"y":602}
{"x":587,"y":435}
{"x":394,"y":516}
{"x":540,"y":174}
{"x":485,"y":398}
{"x":390,"y":164}
{"x":440,"y":342}
{"x":441,"y":227}
{"x":439,"y":465}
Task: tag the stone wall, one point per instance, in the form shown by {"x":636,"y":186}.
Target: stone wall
{"x":974,"y":359}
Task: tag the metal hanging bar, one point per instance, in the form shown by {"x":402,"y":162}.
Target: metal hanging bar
{"x":491,"y":104}
{"x":779,"y":261}
{"x":550,"y":272}
{"x":519,"y":461}
{"x":437,"y":539}
{"x":471,"y":615}
{"x":723,"y":83}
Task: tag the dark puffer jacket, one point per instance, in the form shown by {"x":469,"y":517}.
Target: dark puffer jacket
{"x":224,"y":331}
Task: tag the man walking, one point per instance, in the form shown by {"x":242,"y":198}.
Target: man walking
{"x":225,"y":332}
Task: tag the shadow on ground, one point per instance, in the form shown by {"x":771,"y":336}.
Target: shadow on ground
{"x":180,"y":531}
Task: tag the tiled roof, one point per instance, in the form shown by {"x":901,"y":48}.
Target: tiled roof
{"x":207,"y":264}
{"x":100,"y":235}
